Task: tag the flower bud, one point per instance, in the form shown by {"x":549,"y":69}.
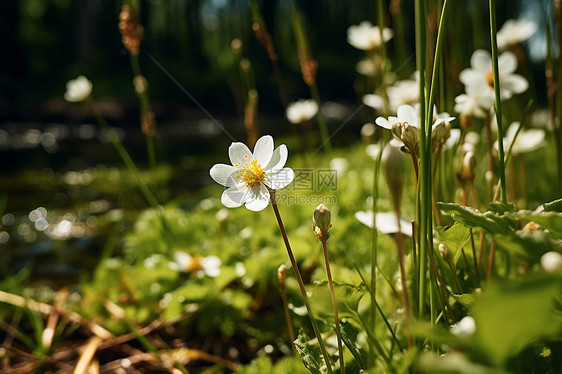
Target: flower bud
{"x":396,"y":130}
{"x":467,"y":166}
{"x":368,"y":133}
{"x":140,"y":83}
{"x":444,"y":252}
{"x":281,"y":276}
{"x":439,"y":132}
{"x":411,"y":138}
{"x":551,"y":262}
{"x":394,"y":165}
{"x":222,"y":218}
{"x":322,"y":219}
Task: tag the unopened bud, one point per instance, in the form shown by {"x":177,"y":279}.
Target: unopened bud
{"x":236,"y":45}
{"x":411,"y":138}
{"x":245,"y":64}
{"x":222,"y":218}
{"x":140,"y":83}
{"x":439,"y":133}
{"x":467,"y":166}
{"x":281,"y":276}
{"x":394,"y":165}
{"x":396,"y":130}
{"x":322,"y":219}
{"x":551,"y":262}
{"x":368,"y":133}
{"x":444,"y":252}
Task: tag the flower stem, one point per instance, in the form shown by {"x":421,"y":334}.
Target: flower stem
{"x":301,"y":284}
{"x":333,"y":296}
{"x":496,"y":72}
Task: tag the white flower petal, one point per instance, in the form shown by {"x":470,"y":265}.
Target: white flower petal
{"x":223,"y":174}
{"x":515,"y":83}
{"x":235,"y":196}
{"x":507,"y":63}
{"x":278,"y":159}
{"x":259,"y":200}
{"x":239,"y":153}
{"x":481,"y":61}
{"x":374,"y":101}
{"x":407,"y":113}
{"x":182,"y":260}
{"x":263,"y":150}
{"x":211,"y":266}
{"x":384,"y":123}
{"x":365,"y":218}
{"x":281,"y":179}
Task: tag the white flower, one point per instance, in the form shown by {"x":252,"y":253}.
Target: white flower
{"x":367,"y":37}
{"x":251,"y":175}
{"x":551,"y":262}
{"x":477,"y":101}
{"x":514,"y":32}
{"x":464,"y":328}
{"x":339,"y":164}
{"x":403,"y":92}
{"x":78,"y":89}
{"x":301,"y":111}
{"x":183,"y":262}
{"x":527,"y":140}
{"x":406,"y":126}
{"x":386,"y":222}
{"x":454,"y":137}
{"x":366,"y":67}
{"x":481,"y":68}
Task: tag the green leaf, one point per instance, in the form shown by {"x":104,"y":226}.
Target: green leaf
{"x":455,"y":238}
{"x":347,"y":298}
{"x":549,"y":220}
{"x":553,"y":206}
{"x":531,"y":245}
{"x":310,"y":354}
{"x":349,"y":336}
{"x":509,"y":317}
{"x":465,"y":299}
{"x":488,"y":221}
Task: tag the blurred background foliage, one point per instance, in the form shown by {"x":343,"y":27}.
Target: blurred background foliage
{"x":48,"y":42}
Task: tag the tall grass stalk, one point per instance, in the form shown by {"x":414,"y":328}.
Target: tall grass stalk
{"x":496,"y":72}
{"x":423,"y":206}
{"x":308,"y":69}
{"x":374,"y":239}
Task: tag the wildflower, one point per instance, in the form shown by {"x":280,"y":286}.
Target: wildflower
{"x":252,"y":175}
{"x":367,"y":37}
{"x":405,"y":127}
{"x":183,"y":262}
{"x":477,"y":101}
{"x":514,"y":32}
{"x":464,"y":328}
{"x":481,"y":68}
{"x":301,"y":111}
{"x":403,"y":92}
{"x":527,"y":140}
{"x":366,"y":67}
{"x":78,"y":89}
{"x":339,"y":164}
{"x":322,"y":219}
{"x":386,"y":222}
{"x":551,"y":262}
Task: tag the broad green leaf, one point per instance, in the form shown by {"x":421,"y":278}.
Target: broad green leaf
{"x":531,"y":245}
{"x":548,"y":220}
{"x":488,"y":221}
{"x":349,"y":336}
{"x":509,"y":317}
{"x":553,"y":206}
{"x":465,"y":299}
{"x":455,"y":238}
{"x":347,"y":299}
{"x":310,"y":354}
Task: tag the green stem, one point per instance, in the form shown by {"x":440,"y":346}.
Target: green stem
{"x":374,"y":237}
{"x":420,"y":12}
{"x":334,"y":305}
{"x":324,"y":134}
{"x":301,"y":284}
{"x":495,"y":69}
{"x":129,"y":163}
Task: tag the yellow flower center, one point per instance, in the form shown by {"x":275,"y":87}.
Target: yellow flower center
{"x":251,"y":173}
{"x":195,"y":264}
